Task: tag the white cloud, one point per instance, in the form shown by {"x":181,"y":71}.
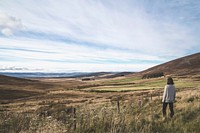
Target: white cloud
{"x":9,"y":24}
{"x":129,"y":27}
{"x":50,"y":50}
{"x":120,"y":32}
{"x":36,"y":66}
{"x":7,"y":31}
{"x":48,"y":55}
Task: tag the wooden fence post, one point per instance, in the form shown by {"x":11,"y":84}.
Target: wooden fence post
{"x":118,"y":106}
{"x":74,"y":114}
{"x":198,"y":97}
{"x":142,"y":98}
{"x":140,"y":101}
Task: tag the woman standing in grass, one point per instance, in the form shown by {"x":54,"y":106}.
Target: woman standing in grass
{"x":169,"y":97}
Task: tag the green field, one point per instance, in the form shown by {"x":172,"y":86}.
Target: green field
{"x":137,"y":83}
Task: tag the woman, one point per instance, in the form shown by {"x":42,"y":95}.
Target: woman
{"x":169,"y":97}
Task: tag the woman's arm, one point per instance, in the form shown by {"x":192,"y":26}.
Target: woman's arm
{"x":164,"y":94}
{"x":174,"y":93}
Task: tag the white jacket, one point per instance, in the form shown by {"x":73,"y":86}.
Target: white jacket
{"x":169,"y":94}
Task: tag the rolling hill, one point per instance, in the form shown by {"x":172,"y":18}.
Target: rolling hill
{"x":188,"y":65}
{"x":14,"y":88}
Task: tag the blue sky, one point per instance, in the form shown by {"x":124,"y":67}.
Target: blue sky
{"x":96,"y":35}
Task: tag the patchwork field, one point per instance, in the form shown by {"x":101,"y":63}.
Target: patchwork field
{"x":122,"y":104}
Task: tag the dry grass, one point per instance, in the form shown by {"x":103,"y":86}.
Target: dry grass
{"x":49,"y":107}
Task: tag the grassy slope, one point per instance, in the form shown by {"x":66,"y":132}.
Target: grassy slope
{"x":12,"y":88}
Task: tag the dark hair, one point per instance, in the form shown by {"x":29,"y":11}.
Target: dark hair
{"x":170,"y":81}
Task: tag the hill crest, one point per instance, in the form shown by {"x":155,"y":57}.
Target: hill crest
{"x":187,"y":65}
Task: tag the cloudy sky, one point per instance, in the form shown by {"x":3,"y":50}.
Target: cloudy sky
{"x":96,"y":35}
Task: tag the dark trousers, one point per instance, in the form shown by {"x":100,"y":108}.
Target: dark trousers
{"x":171,"y":108}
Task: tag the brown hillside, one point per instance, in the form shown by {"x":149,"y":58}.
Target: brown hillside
{"x":15,"y":88}
{"x":187,"y":65}
{"x":13,"y":80}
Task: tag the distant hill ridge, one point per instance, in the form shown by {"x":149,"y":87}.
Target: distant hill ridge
{"x":13,"y":80}
{"x":187,"y":65}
